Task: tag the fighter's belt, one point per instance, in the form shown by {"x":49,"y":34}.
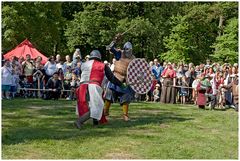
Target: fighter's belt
{"x":90,"y":81}
{"x":139,"y":76}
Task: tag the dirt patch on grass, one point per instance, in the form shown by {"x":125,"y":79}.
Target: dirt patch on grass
{"x":120,"y":155}
{"x":164,"y":126}
{"x":150,"y":111}
{"x":40,"y":107}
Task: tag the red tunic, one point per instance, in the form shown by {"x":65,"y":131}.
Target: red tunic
{"x":92,"y":73}
{"x":201,"y":99}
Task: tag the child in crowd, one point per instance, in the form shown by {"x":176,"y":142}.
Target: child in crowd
{"x":73,"y":85}
{"x":156,"y":93}
{"x":67,"y":79}
{"x":184,"y":91}
{"x":14,"y":84}
{"x":194,"y":91}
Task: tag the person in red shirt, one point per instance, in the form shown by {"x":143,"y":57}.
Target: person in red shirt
{"x":168,"y":94}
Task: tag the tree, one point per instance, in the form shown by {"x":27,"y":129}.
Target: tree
{"x":40,"y":22}
{"x":227,"y":43}
{"x":177,"y":42}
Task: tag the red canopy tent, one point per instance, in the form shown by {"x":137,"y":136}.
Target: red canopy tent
{"x":23,"y":49}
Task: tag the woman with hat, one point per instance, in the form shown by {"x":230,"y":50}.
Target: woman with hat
{"x":202,"y":88}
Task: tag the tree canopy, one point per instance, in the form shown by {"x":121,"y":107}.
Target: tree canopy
{"x":171,"y":31}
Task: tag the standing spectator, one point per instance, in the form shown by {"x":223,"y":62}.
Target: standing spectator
{"x":197,"y":71}
{"x":38,"y":75}
{"x":6,"y":72}
{"x":16,"y":65}
{"x":77,"y":69}
{"x":74,"y":63}
{"x":15,"y":81}
{"x":168,"y":94}
{"x":68,"y":61}
{"x":61,"y":65}
{"x":228,"y":92}
{"x":235,"y":90}
{"x":184,"y":91}
{"x":67,"y":80}
{"x":76,"y":55}
{"x":39,"y":60}
{"x":213,"y":82}
{"x":58,"y":58}
{"x":50,"y":68}
{"x":87,"y":57}
{"x":157,"y":70}
{"x":208,"y":63}
{"x":194,"y":86}
{"x":28,"y":68}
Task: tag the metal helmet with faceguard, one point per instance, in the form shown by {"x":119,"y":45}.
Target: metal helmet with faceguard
{"x":127,"y":49}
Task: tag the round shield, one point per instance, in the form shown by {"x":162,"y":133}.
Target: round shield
{"x":139,"y":76}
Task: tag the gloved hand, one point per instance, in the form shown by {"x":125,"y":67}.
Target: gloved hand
{"x":124,"y":86}
{"x":118,"y":37}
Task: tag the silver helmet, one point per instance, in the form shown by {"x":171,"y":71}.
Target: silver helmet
{"x":127,"y":49}
{"x":95,"y":54}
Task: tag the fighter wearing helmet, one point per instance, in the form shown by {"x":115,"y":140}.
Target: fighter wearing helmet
{"x":123,"y":58}
{"x":89,"y":94}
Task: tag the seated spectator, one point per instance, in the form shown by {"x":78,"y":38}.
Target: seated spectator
{"x":54,"y":85}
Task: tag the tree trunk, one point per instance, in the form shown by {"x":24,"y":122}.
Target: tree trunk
{"x":220,"y":28}
{"x":55,"y":49}
{"x":220,"y":25}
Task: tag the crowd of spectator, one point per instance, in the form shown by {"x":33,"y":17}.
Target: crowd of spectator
{"x":58,"y":77}
{"x":210,"y":84}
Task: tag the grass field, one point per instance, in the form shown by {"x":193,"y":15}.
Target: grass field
{"x":40,"y":129}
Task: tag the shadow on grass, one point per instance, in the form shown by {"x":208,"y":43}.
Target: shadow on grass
{"x":56,"y":121}
{"x":59,"y":129}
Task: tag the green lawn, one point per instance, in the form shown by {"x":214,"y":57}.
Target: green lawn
{"x":40,"y":129}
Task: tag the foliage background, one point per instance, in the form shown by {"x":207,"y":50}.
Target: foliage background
{"x":171,"y":31}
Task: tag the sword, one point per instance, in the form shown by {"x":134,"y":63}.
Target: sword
{"x":121,"y":34}
{"x":128,"y":30}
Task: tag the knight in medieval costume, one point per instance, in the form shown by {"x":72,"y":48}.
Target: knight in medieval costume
{"x":89,"y":94}
{"x":123,"y":58}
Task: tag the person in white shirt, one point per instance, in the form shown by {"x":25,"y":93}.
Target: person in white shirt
{"x":50,"y":68}
{"x":6,"y":72}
